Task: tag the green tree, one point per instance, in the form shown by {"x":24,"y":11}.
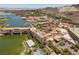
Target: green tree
{"x":66,"y":52}
{"x":73,"y":47}
{"x":55,"y":49}
{"x":77,"y":45}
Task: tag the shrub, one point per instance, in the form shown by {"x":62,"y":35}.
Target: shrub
{"x":65,"y":52}
{"x":41,"y":46}
{"x":76,"y":49}
{"x":62,"y":44}
{"x":73,"y":47}
{"x":55,"y":49}
{"x":77,"y":45}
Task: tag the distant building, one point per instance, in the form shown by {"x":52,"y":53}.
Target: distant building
{"x":37,"y":17}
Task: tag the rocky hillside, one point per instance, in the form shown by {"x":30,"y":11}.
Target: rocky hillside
{"x":71,"y":12}
{"x":72,"y":8}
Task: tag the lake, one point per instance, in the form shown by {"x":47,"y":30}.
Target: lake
{"x":15,"y":21}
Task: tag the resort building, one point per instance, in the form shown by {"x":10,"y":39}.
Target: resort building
{"x":38,"y":19}
{"x":55,"y":34}
{"x":40,"y":36}
{"x":74,"y":32}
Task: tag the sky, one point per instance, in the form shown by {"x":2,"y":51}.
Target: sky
{"x":29,"y":5}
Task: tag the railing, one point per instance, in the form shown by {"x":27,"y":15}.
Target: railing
{"x":19,"y":27}
{"x":15,"y":30}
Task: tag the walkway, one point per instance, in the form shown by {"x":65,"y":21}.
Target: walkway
{"x":24,"y":51}
{"x":13,"y":28}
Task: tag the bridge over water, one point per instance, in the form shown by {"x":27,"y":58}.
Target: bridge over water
{"x":14,"y":30}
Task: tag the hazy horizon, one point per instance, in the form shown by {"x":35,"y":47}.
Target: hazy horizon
{"x":30,"y":5}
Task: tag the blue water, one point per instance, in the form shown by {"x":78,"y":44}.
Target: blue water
{"x":15,"y":21}
{"x":37,"y":52}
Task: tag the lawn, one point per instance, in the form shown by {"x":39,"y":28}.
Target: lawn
{"x":53,"y":47}
{"x":38,"y":44}
{"x":12,"y":44}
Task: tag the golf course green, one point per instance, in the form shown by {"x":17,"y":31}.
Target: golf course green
{"x":12,"y":44}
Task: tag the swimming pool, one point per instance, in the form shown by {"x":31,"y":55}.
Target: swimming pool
{"x":37,"y":52}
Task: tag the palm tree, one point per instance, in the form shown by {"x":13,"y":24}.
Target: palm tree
{"x":58,"y":21}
